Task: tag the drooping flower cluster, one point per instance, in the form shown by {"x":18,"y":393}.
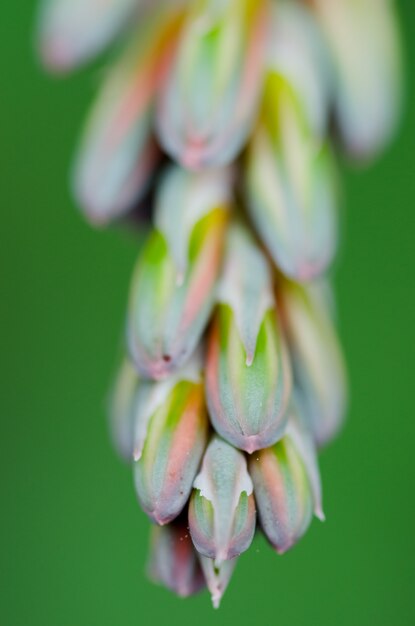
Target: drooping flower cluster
{"x":225,"y":113}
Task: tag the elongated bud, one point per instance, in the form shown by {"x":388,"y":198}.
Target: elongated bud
{"x":73,"y":31}
{"x":118,"y":153}
{"x":222,"y":507}
{"x":171,"y":435}
{"x":217,"y":577}
{"x":207,"y":107}
{"x":297,"y":51}
{"x":282,"y":493}
{"x":248,"y":379}
{"x":291,"y":183}
{"x":173,"y":288}
{"x":122,"y":410}
{"x":300,"y":433}
{"x":364,"y":43}
{"x":317,"y":359}
{"x":173,"y":560}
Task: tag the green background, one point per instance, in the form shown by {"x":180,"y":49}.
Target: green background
{"x":73,"y":541}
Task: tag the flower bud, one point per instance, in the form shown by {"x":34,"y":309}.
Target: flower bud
{"x":282,"y":493}
{"x":222,"y":507}
{"x":217,"y":577}
{"x":297,"y":51}
{"x":171,"y":436}
{"x":317,"y":359}
{"x":363,"y":41}
{"x":73,"y":31}
{"x":122,"y":410}
{"x":248,"y":378}
{"x":209,"y":101}
{"x":118,"y":153}
{"x":291,"y":185}
{"x":173,"y":288}
{"x":173,"y":560}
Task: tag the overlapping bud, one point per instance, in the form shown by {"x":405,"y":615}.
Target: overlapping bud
{"x":234,"y":376}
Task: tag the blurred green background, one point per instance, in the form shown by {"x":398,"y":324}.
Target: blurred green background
{"x":73,"y":541}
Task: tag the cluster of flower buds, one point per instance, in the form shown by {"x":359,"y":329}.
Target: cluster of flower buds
{"x":224,"y":115}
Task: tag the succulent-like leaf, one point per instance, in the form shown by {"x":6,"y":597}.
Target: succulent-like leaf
{"x":173,"y":288}
{"x":118,"y":153}
{"x":248,"y":379}
{"x":291,"y":184}
{"x":207,"y":107}
{"x":171,"y":435}
{"x":317,"y":359}
{"x":173,"y":560}
{"x":364,"y":44}
{"x":222,"y":507}
{"x":282,"y":493}
{"x":73,"y":31}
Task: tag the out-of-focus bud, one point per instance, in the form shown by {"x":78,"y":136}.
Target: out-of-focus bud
{"x":248,"y":377}
{"x":297,"y":51}
{"x":118,"y":153}
{"x":171,"y":435}
{"x":73,"y":31}
{"x":217,"y":577}
{"x":173,"y":560}
{"x":173,"y":288}
{"x":317,"y":359}
{"x":292,"y":185}
{"x":122,"y":410}
{"x":222,"y":507}
{"x":207,"y":107}
{"x":364,"y":42}
{"x":299,"y":431}
{"x":287,"y":485}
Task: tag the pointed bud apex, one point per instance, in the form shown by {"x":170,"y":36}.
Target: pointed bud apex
{"x":173,"y":560}
{"x":291,"y":183}
{"x":173,"y":288}
{"x":73,"y":31}
{"x":282,"y":493}
{"x":118,"y":153}
{"x":208,"y":104}
{"x":217,"y":577}
{"x":122,"y":410}
{"x":222,"y":507}
{"x":248,"y":379}
{"x":171,"y":435}
{"x":363,"y":40}
{"x":318,"y":365}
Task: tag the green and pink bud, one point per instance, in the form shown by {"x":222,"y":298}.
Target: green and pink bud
{"x":173,"y":560}
{"x":173,"y":289}
{"x":248,"y":376}
{"x":171,"y":432}
{"x":118,"y":154}
{"x":73,"y":31}
{"x":316,"y":356}
{"x":207,"y":107}
{"x":222,"y":507}
{"x":287,"y":485}
{"x":364,"y":44}
{"x":292,"y":185}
